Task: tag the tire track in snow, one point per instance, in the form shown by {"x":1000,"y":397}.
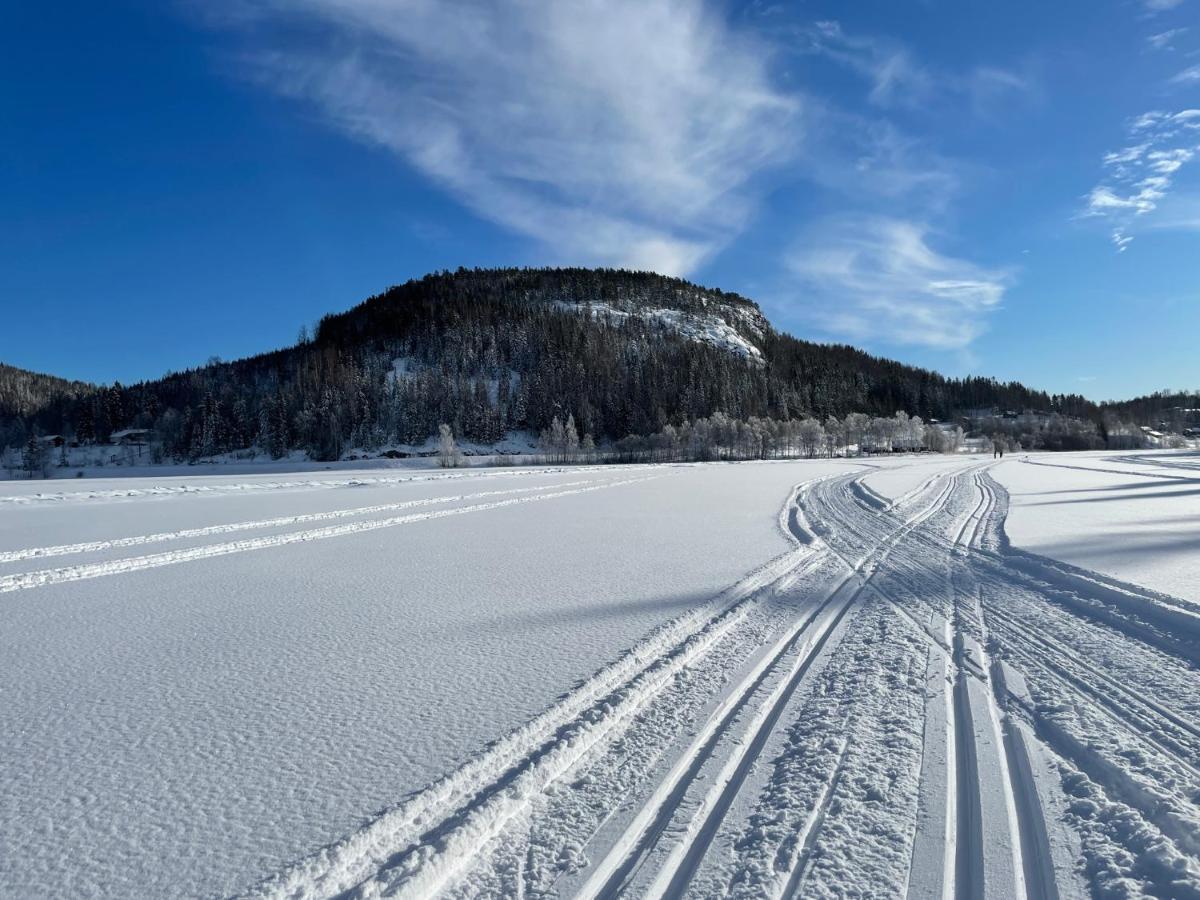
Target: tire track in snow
{"x":44,"y":577}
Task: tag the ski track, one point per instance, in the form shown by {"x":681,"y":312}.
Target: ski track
{"x":541,"y":750}
{"x":8,"y":556}
{"x":44,"y":577}
{"x":901,"y":705}
{"x":612,"y":875}
{"x":253,"y":487}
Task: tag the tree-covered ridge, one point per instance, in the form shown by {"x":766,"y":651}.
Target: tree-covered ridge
{"x":490,"y":351}
{"x":1173,"y":410}
{"x":25,"y":394}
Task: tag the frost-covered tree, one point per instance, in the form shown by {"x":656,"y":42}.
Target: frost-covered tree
{"x":835,"y":435}
{"x":449,"y":456}
{"x":811,"y":436}
{"x":856,"y":425}
{"x":570,"y":438}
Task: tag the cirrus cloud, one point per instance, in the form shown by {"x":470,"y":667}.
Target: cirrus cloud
{"x":875,"y":277}
{"x":627,"y":133}
{"x":1139,"y":176}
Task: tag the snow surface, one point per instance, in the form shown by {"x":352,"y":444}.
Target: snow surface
{"x":1135,"y":517}
{"x":890,"y":677}
{"x":890,"y":480}
{"x":204,"y":723}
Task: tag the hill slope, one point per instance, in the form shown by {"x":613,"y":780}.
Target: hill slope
{"x":490,"y":351}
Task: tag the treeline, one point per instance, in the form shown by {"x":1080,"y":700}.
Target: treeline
{"x":722,"y":437}
{"x":493,"y":351}
{"x":1169,"y":410}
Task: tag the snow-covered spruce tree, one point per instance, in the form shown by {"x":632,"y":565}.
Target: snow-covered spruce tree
{"x":449,"y":456}
{"x":554,"y":441}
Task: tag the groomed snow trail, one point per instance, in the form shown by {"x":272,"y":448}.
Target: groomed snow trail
{"x":900,"y":707}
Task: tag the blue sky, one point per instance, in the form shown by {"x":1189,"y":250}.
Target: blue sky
{"x":1005,"y":189}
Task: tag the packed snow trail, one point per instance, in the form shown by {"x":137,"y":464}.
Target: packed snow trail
{"x":897,"y":708}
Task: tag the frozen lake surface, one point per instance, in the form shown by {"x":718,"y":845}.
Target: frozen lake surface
{"x":904,"y":676}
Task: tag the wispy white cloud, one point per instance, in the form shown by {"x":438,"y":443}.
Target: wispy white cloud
{"x":878,"y":278}
{"x":895,"y":77}
{"x":898,"y":78}
{"x":1190,"y":75}
{"x":1140,"y":175}
{"x":626,"y":133}
{"x":868,"y":162}
{"x":1165,"y":40}
{"x":638,"y":133}
{"x":1157,"y":6}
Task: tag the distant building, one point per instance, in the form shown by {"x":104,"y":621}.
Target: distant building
{"x":981,"y":412}
{"x":131,"y":437}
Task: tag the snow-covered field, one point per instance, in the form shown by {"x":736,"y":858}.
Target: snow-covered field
{"x":1133,"y":516}
{"x":917,"y":677}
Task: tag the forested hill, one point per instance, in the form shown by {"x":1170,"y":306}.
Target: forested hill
{"x":27,"y":394}
{"x":490,"y":351}
{"x":1172,"y":410}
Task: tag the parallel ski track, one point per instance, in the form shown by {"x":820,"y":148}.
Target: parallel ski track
{"x":938,"y":643}
{"x":970,"y":881}
{"x":964,"y":875}
{"x":968,"y":859}
{"x":615,"y":872}
{"x":899,"y":561}
{"x":439,"y":831}
{"x":1139,"y":715}
{"x":807,"y":838}
{"x":199,"y":488}
{"x":431,"y":840}
{"x":44,"y":577}
{"x":8,"y":556}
